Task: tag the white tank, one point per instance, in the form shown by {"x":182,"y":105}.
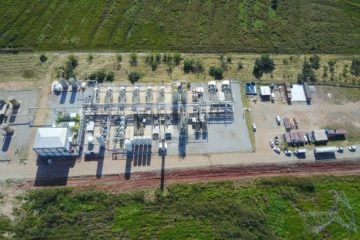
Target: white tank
{"x":83,"y":85}
{"x":90,"y":139}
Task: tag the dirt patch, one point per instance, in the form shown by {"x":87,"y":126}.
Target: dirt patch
{"x":149,"y":180}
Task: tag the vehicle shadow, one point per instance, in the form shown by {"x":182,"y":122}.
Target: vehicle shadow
{"x":55,"y":173}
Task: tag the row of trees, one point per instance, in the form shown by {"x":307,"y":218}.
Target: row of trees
{"x":263,"y":64}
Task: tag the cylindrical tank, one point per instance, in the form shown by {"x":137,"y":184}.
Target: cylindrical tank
{"x":90,"y":139}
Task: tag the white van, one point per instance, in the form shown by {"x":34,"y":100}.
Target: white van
{"x":278,"y":120}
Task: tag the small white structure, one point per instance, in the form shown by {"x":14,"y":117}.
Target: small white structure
{"x":52,"y":142}
{"x":297,"y":93}
{"x":265,"y":93}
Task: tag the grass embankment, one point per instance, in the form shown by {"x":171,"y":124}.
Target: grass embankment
{"x":323,"y":26}
{"x":277,"y":208}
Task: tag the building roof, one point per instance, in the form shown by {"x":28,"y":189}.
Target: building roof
{"x":320,"y":135}
{"x":298,"y":94}
{"x":265,"y":91}
{"x":50,"y":138}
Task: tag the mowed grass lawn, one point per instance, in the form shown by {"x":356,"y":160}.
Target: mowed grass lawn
{"x":274,"y":208}
{"x":292,"y":26}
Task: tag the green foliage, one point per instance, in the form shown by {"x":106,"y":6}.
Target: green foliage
{"x":133,"y":59}
{"x":264,"y":64}
{"x":28,"y":73}
{"x":193,"y":66}
{"x":307,"y":74}
{"x":43,"y":58}
{"x":5,"y":225}
{"x":240,"y":66}
{"x":269,"y":208}
{"x":315,"y":62}
{"x":118,"y":58}
{"x":332,"y":64}
{"x":154,"y":60}
{"x":229,"y":26}
{"x":134,"y":77}
{"x":177,"y":59}
{"x":355,"y":67}
{"x":216,"y":72}
{"x":101,"y":75}
{"x":90,"y":58}
{"x":70,"y":66}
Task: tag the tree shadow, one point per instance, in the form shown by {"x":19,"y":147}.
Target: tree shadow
{"x":54,"y":174}
{"x":6,"y":144}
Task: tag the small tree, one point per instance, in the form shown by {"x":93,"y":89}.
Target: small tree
{"x":72,"y":61}
{"x":216,"y":72}
{"x":133,"y":59}
{"x":134,"y":77}
{"x":332,"y":64}
{"x":264,"y":64}
{"x":43,"y":58}
{"x":308,"y":73}
{"x":90,"y":58}
{"x":177,"y":58}
{"x":118,"y":58}
{"x":188,"y":65}
{"x":240,"y":66}
{"x":110,"y":76}
{"x":315,"y":62}
{"x":355,"y":67}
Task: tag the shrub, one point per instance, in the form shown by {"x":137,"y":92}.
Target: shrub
{"x":308,"y":73}
{"x":90,"y":58}
{"x":43,"y":58}
{"x":264,"y":64}
{"x":240,"y":66}
{"x":118,"y":58}
{"x":134,"y":77}
{"x":102,"y":75}
{"x":315,"y":62}
{"x":193,"y":66}
{"x":355,"y":67}
{"x":216,"y":72}
{"x":133,"y":59}
{"x":177,"y":58}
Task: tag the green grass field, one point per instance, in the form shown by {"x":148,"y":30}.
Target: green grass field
{"x":272,"y":208}
{"x":293,"y":26}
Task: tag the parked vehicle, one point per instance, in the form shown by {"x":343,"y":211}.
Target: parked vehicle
{"x":287,"y":152}
{"x":352,"y":148}
{"x":277,"y":150}
{"x":271,"y":143}
{"x":277,"y":140}
{"x":278,"y":120}
{"x":340,"y":149}
{"x":306,"y":139}
{"x":301,"y":153}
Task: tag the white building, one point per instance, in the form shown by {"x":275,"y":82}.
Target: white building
{"x":52,"y":142}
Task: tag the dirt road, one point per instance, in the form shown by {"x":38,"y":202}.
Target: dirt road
{"x":148,"y":180}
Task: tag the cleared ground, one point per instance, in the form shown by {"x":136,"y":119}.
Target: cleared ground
{"x":331,"y":107}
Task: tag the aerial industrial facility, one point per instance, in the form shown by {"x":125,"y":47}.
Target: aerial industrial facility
{"x":127,"y":120}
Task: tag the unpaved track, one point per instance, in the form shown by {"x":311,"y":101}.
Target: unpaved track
{"x":148,"y":180}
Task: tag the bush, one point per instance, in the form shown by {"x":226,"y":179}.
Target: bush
{"x":308,"y":73}
{"x":355,"y":67}
{"x":264,"y":64}
{"x":240,"y":66}
{"x":134,"y":77}
{"x":193,"y":66}
{"x":118,"y":58}
{"x":154,"y":60}
{"x":70,"y":65}
{"x":102,"y":75}
{"x":216,"y":72}
{"x":133,"y":59}
{"x":90,"y":58}
{"x":315,"y":62}
{"x":43,"y":58}
{"x":177,"y":58}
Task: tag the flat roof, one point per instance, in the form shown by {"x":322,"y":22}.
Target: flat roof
{"x":50,"y":138}
{"x":320,"y":135}
{"x":298,"y":93}
{"x":265,"y":91}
